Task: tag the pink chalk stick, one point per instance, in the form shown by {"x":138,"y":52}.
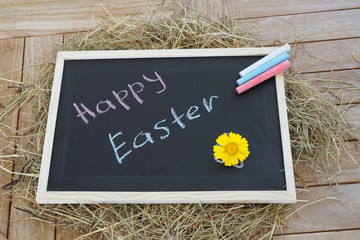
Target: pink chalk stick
{"x":264,"y":76}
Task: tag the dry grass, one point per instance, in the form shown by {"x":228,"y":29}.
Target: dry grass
{"x":317,"y":128}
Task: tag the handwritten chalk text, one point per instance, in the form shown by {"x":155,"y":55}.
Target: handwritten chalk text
{"x":122,"y":150}
{"x":104,"y":106}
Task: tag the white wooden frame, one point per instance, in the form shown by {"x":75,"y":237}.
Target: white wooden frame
{"x":44,"y":196}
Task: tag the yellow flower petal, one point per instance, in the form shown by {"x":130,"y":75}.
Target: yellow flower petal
{"x":227,"y":163}
{"x":235,"y":137}
{"x":219,"y":152}
{"x":234,"y":160}
{"x":240,"y":156}
{"x":223,"y":140}
{"x":220,"y":155}
{"x":217,"y":148}
{"x":243,"y":147}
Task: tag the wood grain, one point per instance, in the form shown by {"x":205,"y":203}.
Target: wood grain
{"x":331,"y":208}
{"x":325,"y":56}
{"x":257,"y":8}
{"x":65,"y":234}
{"x":308,"y":27}
{"x":348,"y":235}
{"x":342,"y":87}
{"x":2,"y":237}
{"x":213,"y":9}
{"x":349,"y":172}
{"x":353,"y":116}
{"x":11,"y":55}
{"x":32,"y":18}
{"x":36,"y":50}
{"x":346,"y":166}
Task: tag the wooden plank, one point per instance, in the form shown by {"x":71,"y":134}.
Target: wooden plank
{"x":345,"y":167}
{"x":350,"y":166}
{"x":308,"y":27}
{"x":21,"y":222}
{"x":343,"y":87}
{"x":213,"y":9}
{"x":257,"y":8}
{"x":2,"y":237}
{"x":65,"y":234}
{"x":349,"y":170}
{"x":31,"y":18}
{"x":325,"y":56}
{"x":11,"y":54}
{"x":348,"y":235}
{"x":330,"y":209}
{"x":353,"y":116}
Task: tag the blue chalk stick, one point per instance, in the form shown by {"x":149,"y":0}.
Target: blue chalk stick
{"x":263,"y":68}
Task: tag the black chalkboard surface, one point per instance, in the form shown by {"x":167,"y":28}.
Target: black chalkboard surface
{"x":139,"y":126}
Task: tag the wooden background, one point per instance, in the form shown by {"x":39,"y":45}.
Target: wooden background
{"x":328,"y":33}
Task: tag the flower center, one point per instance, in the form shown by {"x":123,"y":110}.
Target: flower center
{"x":231,"y":148}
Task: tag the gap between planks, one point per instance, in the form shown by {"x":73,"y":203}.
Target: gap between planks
{"x":259,"y":8}
{"x":293,"y":14}
{"x":348,"y":234}
{"x":331,"y":184}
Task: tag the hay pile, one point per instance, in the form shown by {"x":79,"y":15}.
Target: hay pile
{"x":317,"y":127}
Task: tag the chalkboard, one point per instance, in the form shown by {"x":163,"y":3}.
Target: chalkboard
{"x":140,"y":126}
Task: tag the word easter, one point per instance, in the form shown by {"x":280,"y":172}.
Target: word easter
{"x":145,"y":137}
{"x":104,"y":106}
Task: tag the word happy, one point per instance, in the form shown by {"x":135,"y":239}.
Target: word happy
{"x":143,"y":138}
{"x":106,"y":105}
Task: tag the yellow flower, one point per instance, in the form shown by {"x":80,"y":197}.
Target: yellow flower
{"x":231,"y":148}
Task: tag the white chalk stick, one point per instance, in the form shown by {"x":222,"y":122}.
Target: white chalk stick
{"x":270,"y":56}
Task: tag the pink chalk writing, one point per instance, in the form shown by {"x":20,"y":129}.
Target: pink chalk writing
{"x":154,"y":80}
{"x":103,"y":106}
{"x":109,"y":105}
{"x":120,"y":99}
{"x":135,"y":93}
{"x":82,"y":114}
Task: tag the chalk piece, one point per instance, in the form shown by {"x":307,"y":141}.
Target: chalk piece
{"x":263,"y":68}
{"x":264,"y":76}
{"x":272,"y":55}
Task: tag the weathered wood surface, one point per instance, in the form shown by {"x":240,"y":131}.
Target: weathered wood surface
{"x":329,"y":208}
{"x":345,"y":169}
{"x":330,"y":35}
{"x":11,"y":56}
{"x":259,"y":8}
{"x":37,"y":50}
{"x":342,"y":86}
{"x":2,"y":237}
{"x":30,"y":18}
{"x":214,"y":9}
{"x":341,"y":235}
{"x":326,"y":56}
{"x":65,"y":234}
{"x":308,"y":27}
